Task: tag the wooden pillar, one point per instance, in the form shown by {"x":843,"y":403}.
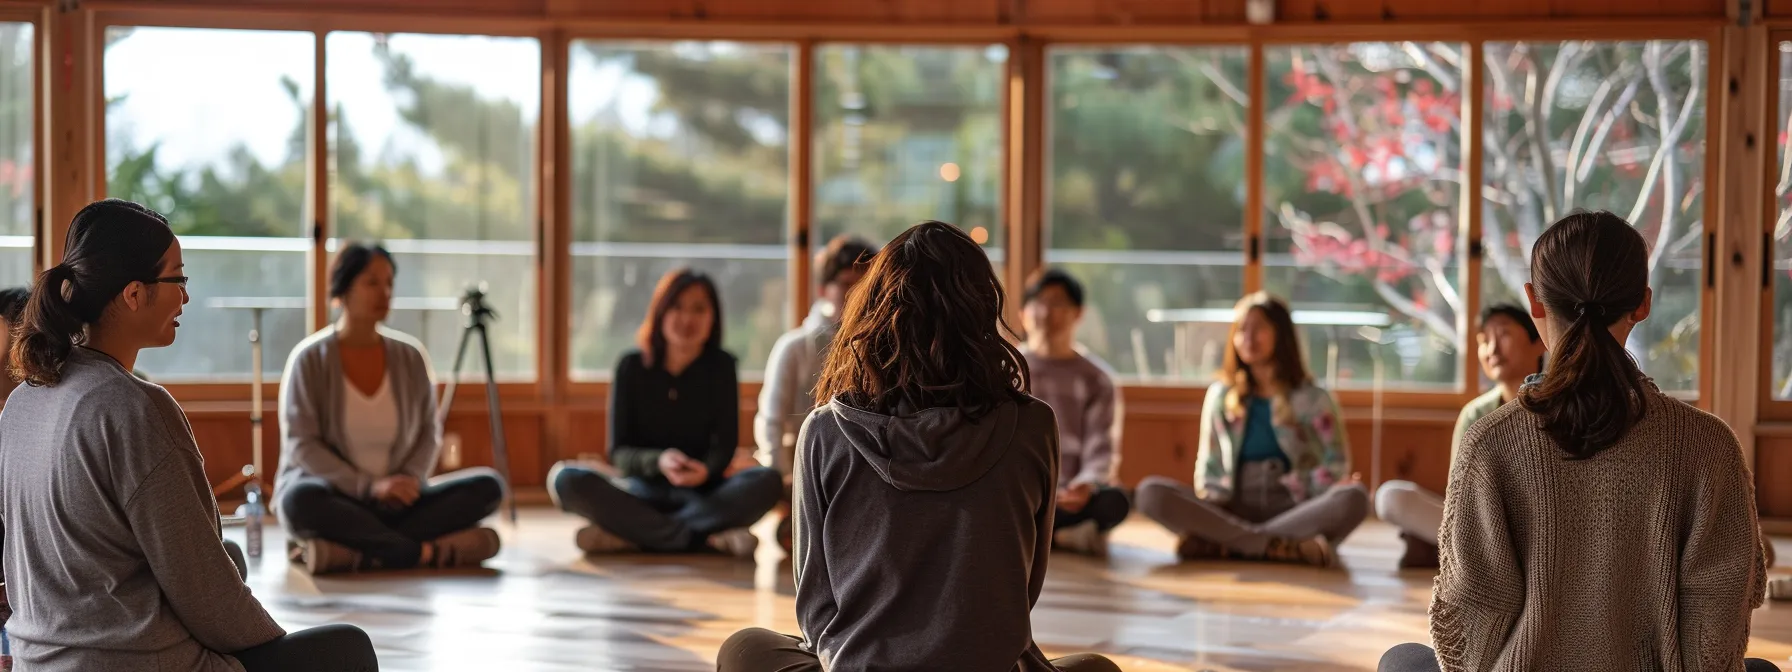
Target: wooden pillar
{"x":1738,"y":220}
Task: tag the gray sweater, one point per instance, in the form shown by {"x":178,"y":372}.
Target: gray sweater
{"x":312,"y":423}
{"x":901,"y":520}
{"x":114,"y":561}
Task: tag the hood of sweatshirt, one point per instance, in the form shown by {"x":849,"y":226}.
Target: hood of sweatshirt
{"x":934,"y":450}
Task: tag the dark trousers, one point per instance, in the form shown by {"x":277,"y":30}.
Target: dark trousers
{"x":1420,"y":658}
{"x":388,"y":537}
{"x":761,"y":650}
{"x":660,"y":517}
{"x":1107,"y":507}
{"x":341,"y":648}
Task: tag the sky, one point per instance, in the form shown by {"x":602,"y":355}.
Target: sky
{"x":200,"y":91}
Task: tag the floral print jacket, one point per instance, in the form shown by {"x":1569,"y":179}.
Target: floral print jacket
{"x":1314,"y":443}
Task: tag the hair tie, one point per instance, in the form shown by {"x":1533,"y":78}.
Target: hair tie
{"x":1585,"y":307}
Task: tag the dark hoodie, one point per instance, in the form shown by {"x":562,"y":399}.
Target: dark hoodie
{"x":922,"y":539}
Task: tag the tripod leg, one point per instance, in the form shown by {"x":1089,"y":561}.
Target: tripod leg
{"x":460,"y":357}
{"x":500,"y":451}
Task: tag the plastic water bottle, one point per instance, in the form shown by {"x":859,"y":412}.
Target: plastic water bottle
{"x":252,"y":514}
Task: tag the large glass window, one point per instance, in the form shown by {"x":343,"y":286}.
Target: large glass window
{"x":433,"y":151}
{"x":1362,"y":175}
{"x":908,"y":133}
{"x":17,"y":167}
{"x":218,"y":145}
{"x":1616,"y":126}
{"x":680,"y":157}
{"x":1145,"y":183}
{"x":1781,"y":181}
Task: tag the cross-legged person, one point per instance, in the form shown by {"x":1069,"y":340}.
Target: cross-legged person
{"x":361,"y":438}
{"x":1595,"y":523}
{"x":924,"y":485}
{"x":1510,"y":350}
{"x":672,"y":485}
{"x":1272,"y":474}
{"x":1080,"y":389}
{"x":12,"y":307}
{"x":795,"y":362}
{"x":110,"y":546}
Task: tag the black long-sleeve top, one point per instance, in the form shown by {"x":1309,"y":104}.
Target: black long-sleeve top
{"x":696,"y":411}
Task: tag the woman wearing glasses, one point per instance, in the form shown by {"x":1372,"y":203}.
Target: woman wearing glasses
{"x":100,"y":466}
{"x":358,"y":414}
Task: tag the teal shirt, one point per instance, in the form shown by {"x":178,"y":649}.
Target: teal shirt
{"x":1260,"y":442}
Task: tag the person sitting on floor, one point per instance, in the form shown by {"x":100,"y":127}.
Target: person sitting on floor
{"x":12,"y":307}
{"x":110,"y":546}
{"x":1510,"y":350}
{"x":361,"y":437}
{"x":1273,"y":468}
{"x":790,"y":373}
{"x":674,"y":424}
{"x":1596,"y":523}
{"x":924,"y":484}
{"x":1080,"y":389}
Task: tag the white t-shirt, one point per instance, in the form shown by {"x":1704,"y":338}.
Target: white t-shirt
{"x":370,"y":427}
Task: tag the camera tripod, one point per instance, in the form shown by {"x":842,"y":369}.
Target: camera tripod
{"x":472,"y":305}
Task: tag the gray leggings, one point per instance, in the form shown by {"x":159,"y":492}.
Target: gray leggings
{"x":1420,"y":658}
{"x":1260,"y":509}
{"x":761,"y":650}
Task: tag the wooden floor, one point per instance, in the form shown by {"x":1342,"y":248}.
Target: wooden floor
{"x":541,"y":607}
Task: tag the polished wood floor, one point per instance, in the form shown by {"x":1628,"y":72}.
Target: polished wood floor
{"x":541,"y":607}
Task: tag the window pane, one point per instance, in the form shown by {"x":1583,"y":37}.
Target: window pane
{"x":1361,"y":180}
{"x":1781,"y":179}
{"x":1616,"y":126}
{"x":1146,"y":199}
{"x":217,"y":145}
{"x":908,"y":133}
{"x":433,"y":152}
{"x":681,"y":156}
{"x":17,"y":167}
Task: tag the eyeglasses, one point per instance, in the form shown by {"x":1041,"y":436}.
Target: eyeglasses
{"x":172,"y":280}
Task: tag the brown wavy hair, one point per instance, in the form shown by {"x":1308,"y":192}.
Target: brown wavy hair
{"x":1590,"y":269}
{"x":1288,"y":361}
{"x":924,"y":329}
{"x":651,"y":336}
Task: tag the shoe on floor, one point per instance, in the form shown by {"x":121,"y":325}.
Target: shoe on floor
{"x":1779,"y":588}
{"x":593,"y":539}
{"x":1084,"y":537}
{"x":1420,"y":554}
{"x":738,"y":542}
{"x":1192,"y":547}
{"x":466,"y":548}
{"x":1315,"y":551}
{"x":327,"y":557}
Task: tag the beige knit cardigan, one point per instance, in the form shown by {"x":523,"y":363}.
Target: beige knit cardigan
{"x":1647,"y":556}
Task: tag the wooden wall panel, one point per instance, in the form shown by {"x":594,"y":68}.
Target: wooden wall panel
{"x":1778,"y":8}
{"x":1413,"y":448}
{"x":898,"y":11}
{"x":1123,"y":12}
{"x":1357,"y":11}
{"x":1773,"y":476}
{"x":522,"y":436}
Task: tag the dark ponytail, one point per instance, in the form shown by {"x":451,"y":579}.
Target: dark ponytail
{"x":1589,"y":270}
{"x":110,"y":244}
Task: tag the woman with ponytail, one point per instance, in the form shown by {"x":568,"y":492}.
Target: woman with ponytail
{"x":115,"y":553}
{"x":1597,"y":524}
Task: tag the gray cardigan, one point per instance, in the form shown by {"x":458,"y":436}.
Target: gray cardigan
{"x":109,"y":532}
{"x":311,"y":422}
